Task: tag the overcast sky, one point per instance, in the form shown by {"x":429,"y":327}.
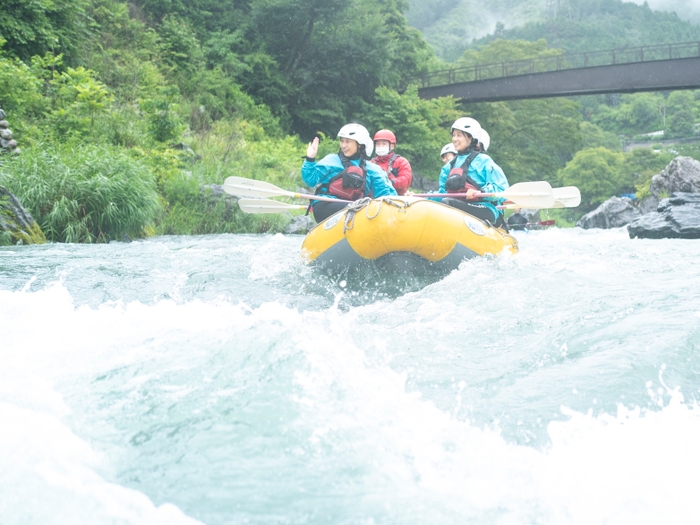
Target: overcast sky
{"x":685,"y":9}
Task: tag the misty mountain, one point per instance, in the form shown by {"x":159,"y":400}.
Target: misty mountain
{"x":574,"y":25}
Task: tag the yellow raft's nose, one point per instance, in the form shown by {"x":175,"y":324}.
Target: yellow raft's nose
{"x":428,"y":229}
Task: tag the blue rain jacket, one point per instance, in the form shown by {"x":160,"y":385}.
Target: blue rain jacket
{"x":314,"y":173}
{"x":486,"y":173}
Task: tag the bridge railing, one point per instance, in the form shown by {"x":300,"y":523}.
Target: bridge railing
{"x":557,"y":63}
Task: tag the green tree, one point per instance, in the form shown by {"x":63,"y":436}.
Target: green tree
{"x":681,"y":124}
{"x":597,"y":174}
{"x":639,"y":166}
{"x":530,"y":139}
{"x":593,"y":136}
{"x":509,"y":51}
{"x":37,"y":27}
{"x":421,"y":126}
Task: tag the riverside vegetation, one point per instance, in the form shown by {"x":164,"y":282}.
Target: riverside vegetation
{"x":126,"y":111}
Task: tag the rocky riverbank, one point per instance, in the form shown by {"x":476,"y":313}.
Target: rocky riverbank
{"x":17,"y":226}
{"x":7,"y":142}
{"x":657,"y":216}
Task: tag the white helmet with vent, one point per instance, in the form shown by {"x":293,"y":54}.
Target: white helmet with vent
{"x":358,"y":133}
{"x":448,"y":148}
{"x":468,"y":125}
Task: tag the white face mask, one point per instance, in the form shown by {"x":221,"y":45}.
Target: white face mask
{"x":382,"y":150}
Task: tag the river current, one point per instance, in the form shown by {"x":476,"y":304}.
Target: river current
{"x":218,"y":380}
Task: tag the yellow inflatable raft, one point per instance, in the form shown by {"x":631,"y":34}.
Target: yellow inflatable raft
{"x":402,"y":233}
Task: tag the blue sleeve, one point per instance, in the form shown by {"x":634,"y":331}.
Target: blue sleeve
{"x":487,"y":174}
{"x":315,"y":173}
{"x":377,"y":182}
{"x":444,"y":172}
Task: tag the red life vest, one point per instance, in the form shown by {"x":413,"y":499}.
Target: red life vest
{"x":458,"y":181}
{"x":349,"y":184}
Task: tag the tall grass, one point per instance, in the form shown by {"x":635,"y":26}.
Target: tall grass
{"x":83,"y":193}
{"x":191,"y":210}
{"x":228,"y":148}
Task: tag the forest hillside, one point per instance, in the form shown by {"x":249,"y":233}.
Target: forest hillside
{"x":572,"y":25}
{"x":128,"y":114}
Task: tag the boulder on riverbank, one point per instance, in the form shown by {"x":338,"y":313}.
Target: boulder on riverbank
{"x":17,"y":226}
{"x":7,"y":141}
{"x":300,"y":225}
{"x":213,"y":194}
{"x":682,"y":175}
{"x":613,"y":213}
{"x":676,"y":218}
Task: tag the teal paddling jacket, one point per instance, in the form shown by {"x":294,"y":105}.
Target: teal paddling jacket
{"x":376,"y":184}
{"x":485,"y":172}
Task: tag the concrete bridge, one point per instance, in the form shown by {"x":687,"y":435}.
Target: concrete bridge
{"x":649,"y":68}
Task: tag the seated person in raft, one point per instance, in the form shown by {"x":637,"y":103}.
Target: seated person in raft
{"x":344,"y":175}
{"x":470,"y":172}
{"x":448,"y":153}
{"x":397,"y":168}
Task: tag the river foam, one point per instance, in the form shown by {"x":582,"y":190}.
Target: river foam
{"x":556,"y":386}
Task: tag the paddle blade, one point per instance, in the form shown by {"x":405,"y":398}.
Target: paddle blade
{"x":267,"y":206}
{"x":566,"y":197}
{"x":243,"y":187}
{"x":529,"y":194}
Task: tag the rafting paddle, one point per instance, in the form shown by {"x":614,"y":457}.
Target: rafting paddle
{"x":267,"y":206}
{"x":566,"y":197}
{"x":257,"y":188}
{"x":523,"y":194}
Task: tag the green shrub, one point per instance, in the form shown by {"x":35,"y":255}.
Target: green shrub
{"x":190,"y":210}
{"x":83,"y":193}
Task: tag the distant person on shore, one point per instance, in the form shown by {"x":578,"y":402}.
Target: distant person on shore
{"x":470,"y":172}
{"x":517,"y":221}
{"x":448,"y":153}
{"x":397,"y":168}
{"x":344,"y":175}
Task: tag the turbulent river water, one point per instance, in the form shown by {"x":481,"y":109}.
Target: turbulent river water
{"x":218,"y":380}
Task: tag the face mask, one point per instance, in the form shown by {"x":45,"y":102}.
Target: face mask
{"x":382,"y":150}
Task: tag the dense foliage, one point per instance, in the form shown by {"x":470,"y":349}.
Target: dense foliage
{"x":94,"y":194}
{"x":180,"y":94}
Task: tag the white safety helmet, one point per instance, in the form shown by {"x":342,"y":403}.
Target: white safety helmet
{"x":448,"y":148}
{"x":484,"y":139}
{"x":468,"y":125}
{"x":358,"y":133}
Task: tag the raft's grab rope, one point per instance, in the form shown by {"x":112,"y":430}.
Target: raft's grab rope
{"x":358,"y":205}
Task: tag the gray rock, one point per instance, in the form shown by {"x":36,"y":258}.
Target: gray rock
{"x":12,"y":144}
{"x":213,"y":193}
{"x":4,"y":124}
{"x":648,"y":204}
{"x":2,"y":114}
{"x":613,"y":213}
{"x":677,"y":218}
{"x":4,"y":143}
{"x":17,"y":226}
{"x":6,"y":134}
{"x":300,"y":225}
{"x":681,"y":175}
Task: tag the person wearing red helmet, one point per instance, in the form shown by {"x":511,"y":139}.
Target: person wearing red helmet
{"x":397,"y":167}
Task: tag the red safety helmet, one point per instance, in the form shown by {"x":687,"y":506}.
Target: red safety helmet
{"x":385,"y":134}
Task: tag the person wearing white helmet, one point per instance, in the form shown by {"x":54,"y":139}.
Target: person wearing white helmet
{"x":471,"y":172}
{"x":484,"y":141}
{"x":344,"y":175}
{"x":448,"y":153}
